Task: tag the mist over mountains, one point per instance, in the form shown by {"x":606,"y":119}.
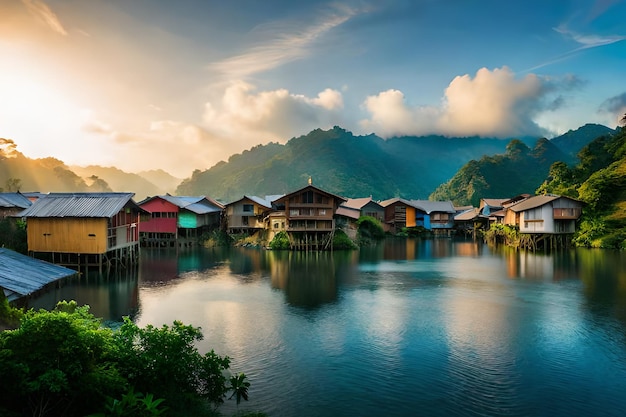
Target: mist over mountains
{"x":335,"y":160}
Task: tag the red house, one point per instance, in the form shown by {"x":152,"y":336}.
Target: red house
{"x":178,"y":219}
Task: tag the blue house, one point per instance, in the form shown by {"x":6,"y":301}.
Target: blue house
{"x":437,"y":216}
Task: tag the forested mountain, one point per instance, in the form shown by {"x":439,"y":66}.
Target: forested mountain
{"x":519,"y":170}
{"x":20,"y":173}
{"x":357,"y":166}
{"x":341,"y":163}
{"x":574,"y":140}
{"x":335,"y":159}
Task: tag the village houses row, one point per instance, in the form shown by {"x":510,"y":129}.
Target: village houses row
{"x":68,"y":226}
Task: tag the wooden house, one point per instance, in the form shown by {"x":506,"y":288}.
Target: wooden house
{"x":178,"y":220}
{"x":310,"y":217}
{"x":349,"y":212}
{"x":399,"y":213}
{"x":248,"y":214}
{"x":76,"y":229}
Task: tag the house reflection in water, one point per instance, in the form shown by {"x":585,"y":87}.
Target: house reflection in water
{"x":308,"y":279}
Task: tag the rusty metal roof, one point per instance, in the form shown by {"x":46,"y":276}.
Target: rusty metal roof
{"x":21,"y":275}
{"x":95,"y":205}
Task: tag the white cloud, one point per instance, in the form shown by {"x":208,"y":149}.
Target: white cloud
{"x":41,"y":11}
{"x":258,"y":117}
{"x":391,"y":116}
{"x":492,"y":103}
{"x":588,"y":40}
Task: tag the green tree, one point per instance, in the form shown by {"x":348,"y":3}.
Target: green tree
{"x":65,"y":363}
{"x":57,"y":363}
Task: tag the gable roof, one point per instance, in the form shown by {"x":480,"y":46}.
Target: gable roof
{"x":95,"y":205}
{"x":493,"y":202}
{"x":429,"y":206}
{"x":284,"y":197}
{"x":21,"y":275}
{"x":350,"y":212}
{"x":359,"y":203}
{"x":195,"y":204}
{"x":14,"y":200}
{"x":467,"y":215}
{"x":394,"y":200}
{"x":262,"y":201}
{"x":533,"y":202}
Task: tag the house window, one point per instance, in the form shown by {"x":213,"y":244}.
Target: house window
{"x":276,"y":225}
{"x":244,"y":220}
{"x":294,"y":212}
{"x":307,"y":197}
{"x":248,"y":208}
{"x":322,"y":212}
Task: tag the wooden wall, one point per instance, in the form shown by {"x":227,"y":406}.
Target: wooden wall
{"x":67,"y":235}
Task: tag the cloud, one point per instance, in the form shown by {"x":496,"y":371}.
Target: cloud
{"x":392,"y":116}
{"x":41,"y":11}
{"x":615,"y":106}
{"x":255,"y":117}
{"x":285,"y":42}
{"x":492,"y":103}
{"x":588,"y":41}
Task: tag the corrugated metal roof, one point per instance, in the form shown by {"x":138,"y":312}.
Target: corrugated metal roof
{"x":17,"y":200}
{"x":533,"y":202}
{"x":181,"y":201}
{"x":21,"y":275}
{"x":428,"y":206}
{"x":96,"y":205}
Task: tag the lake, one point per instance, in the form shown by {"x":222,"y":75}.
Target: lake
{"x":407,"y":328}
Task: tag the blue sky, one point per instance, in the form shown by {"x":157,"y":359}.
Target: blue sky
{"x":146,"y":84}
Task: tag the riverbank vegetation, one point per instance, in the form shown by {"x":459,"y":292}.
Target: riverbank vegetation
{"x":65,"y":363}
{"x":599,"y":180}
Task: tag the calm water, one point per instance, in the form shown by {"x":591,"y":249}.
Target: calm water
{"x":409,"y":328}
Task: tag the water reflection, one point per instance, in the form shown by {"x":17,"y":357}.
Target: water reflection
{"x":110,"y":295}
{"x":440,"y":326}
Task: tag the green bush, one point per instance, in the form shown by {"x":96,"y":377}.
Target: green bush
{"x":280,"y":241}
{"x":63,"y":362}
{"x":341,"y":241}
{"x":370,"y":228}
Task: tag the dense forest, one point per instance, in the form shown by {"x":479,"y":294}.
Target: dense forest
{"x":359,"y":166}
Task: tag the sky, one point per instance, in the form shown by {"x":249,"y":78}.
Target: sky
{"x":181,"y":85}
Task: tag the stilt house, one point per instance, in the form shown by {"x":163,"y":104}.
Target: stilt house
{"x":84,"y":229}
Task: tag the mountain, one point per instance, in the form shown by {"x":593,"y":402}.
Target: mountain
{"x":574,"y":140}
{"x":342,"y":163}
{"x":356,"y":166}
{"x":519,"y":170}
{"x":18,"y":172}
{"x":119,"y":180}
